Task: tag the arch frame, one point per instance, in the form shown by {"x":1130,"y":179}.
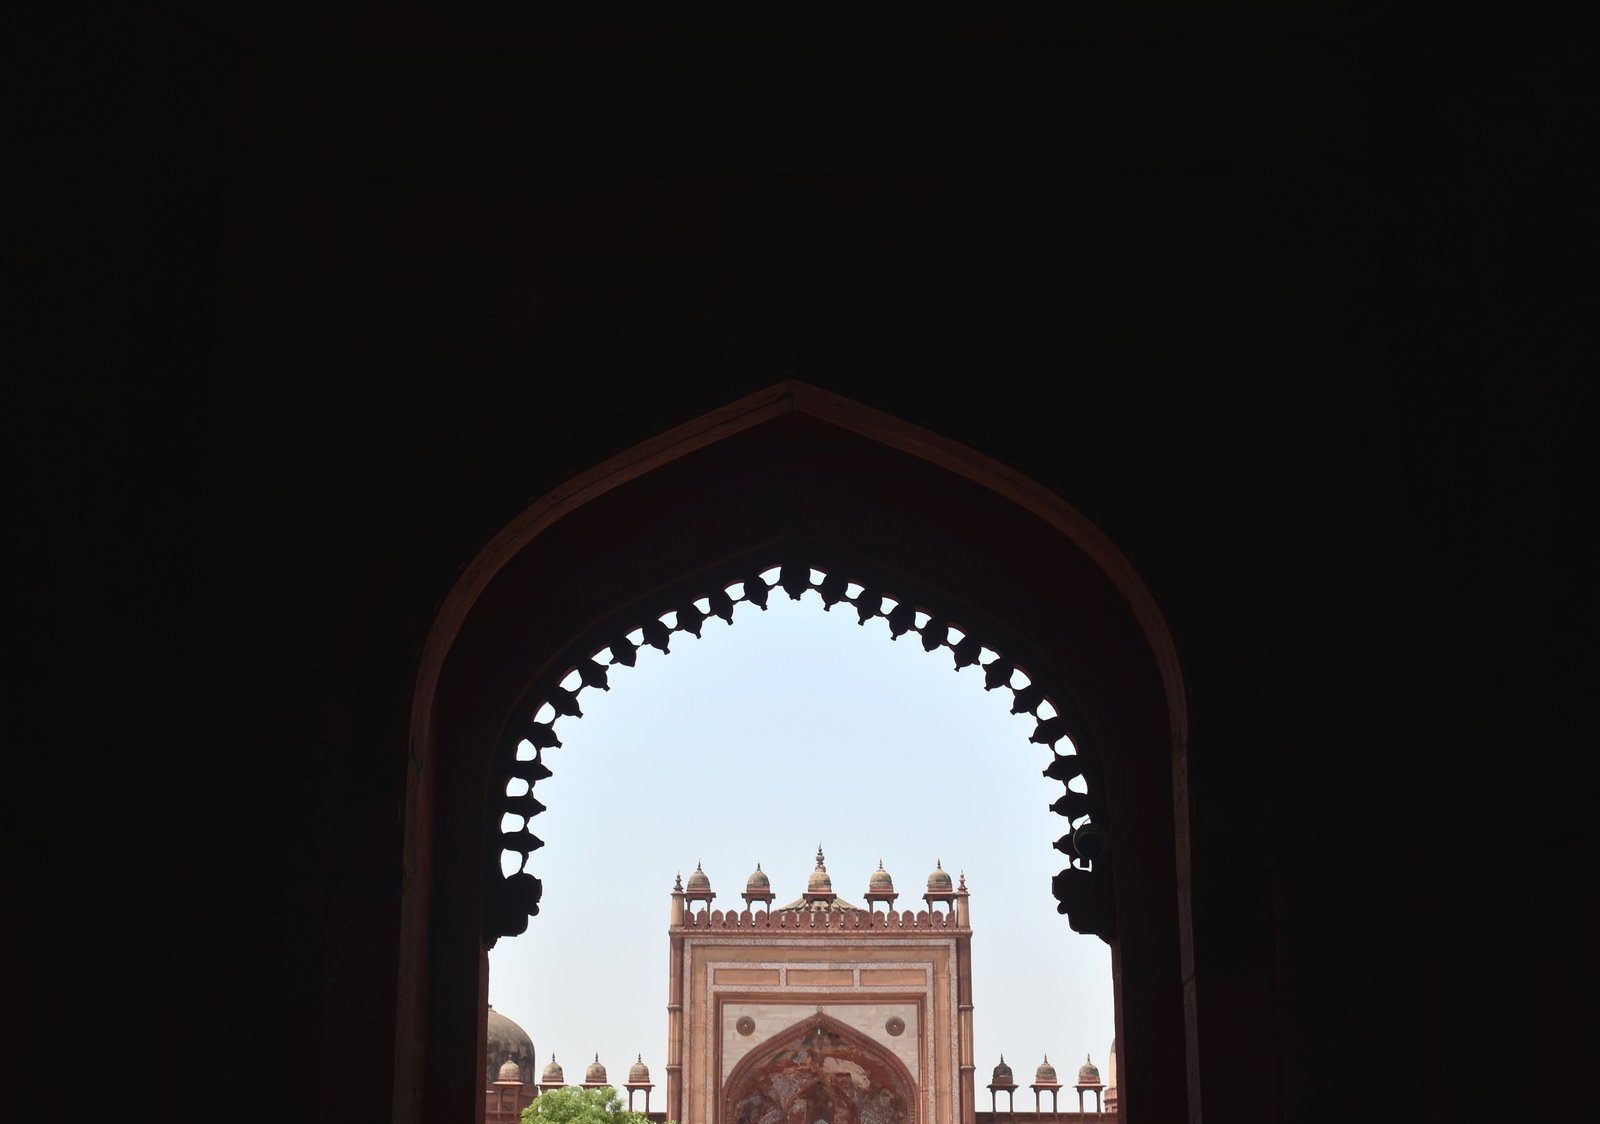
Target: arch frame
{"x":474,"y":668}
{"x":747,"y":1065}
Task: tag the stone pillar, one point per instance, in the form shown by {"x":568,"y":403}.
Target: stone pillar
{"x":969,"y":1067}
{"x":675,"y":985}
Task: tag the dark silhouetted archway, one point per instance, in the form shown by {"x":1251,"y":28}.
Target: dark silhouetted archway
{"x":802,"y":478}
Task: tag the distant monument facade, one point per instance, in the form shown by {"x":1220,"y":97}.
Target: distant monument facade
{"x":820,"y":1011}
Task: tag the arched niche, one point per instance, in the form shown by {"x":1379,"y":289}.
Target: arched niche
{"x":798,"y":475}
{"x":821,"y":1059}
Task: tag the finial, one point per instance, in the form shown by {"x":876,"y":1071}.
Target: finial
{"x":677,"y":882}
{"x":1087,"y":1058}
{"x":597,"y":1055}
{"x":819,"y":854}
{"x":963,"y":885}
{"x":1047,"y":1059}
{"x":639,"y":1057}
{"x":697,"y":866}
{"x":938,"y":864}
{"x":880,"y":864}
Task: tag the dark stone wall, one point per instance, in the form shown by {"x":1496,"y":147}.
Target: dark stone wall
{"x":1297,"y":307}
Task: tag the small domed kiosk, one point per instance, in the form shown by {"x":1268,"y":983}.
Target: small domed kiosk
{"x":1003,"y":1081}
{"x":1089,"y":1082}
{"x":758,"y":888}
{"x":507,"y":1095}
{"x":698,"y":888}
{"x":639,"y":1080}
{"x":819,"y":887}
{"x":505,"y":1041}
{"x":595,"y":1075}
{"x":819,"y":896}
{"x":880,"y":888}
{"x":940,"y":888}
{"x":553,"y":1077}
{"x":1045,"y":1081}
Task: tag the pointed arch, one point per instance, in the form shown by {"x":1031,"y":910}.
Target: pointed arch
{"x":844,"y":1042}
{"x":805,"y":477}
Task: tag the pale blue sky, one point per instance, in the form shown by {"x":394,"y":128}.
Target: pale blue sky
{"x":755,"y":743}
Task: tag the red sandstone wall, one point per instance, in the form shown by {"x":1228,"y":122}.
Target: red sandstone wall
{"x":503,"y":1104}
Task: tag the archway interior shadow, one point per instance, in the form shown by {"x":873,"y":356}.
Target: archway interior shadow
{"x":806,"y":493}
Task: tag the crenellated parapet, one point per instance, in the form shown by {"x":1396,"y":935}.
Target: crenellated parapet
{"x":855,"y":921}
{"x":820,"y":908}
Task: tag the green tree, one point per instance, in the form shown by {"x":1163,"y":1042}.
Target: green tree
{"x":575,"y":1105}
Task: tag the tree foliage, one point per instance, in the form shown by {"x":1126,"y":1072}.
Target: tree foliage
{"x":576,"y":1105}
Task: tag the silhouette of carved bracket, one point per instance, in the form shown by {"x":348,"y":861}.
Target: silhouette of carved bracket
{"x":1085,"y":897}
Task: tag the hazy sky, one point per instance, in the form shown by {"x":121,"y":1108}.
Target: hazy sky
{"x":755,"y":743}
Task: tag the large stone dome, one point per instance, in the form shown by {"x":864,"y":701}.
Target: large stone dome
{"x":506,"y":1042}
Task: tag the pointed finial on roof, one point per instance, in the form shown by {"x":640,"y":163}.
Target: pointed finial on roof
{"x":880,"y":864}
{"x":677,"y":881}
{"x":819,"y":854}
{"x":963,"y":885}
{"x":938,"y":864}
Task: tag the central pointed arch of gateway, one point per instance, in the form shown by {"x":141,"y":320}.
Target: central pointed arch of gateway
{"x":794,"y":473}
{"x":821,"y":1059}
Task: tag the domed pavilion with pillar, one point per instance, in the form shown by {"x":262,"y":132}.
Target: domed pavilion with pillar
{"x":1089,"y":1082}
{"x":639,"y":1081}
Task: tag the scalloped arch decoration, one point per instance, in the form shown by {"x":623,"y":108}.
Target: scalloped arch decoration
{"x":522,"y":764}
